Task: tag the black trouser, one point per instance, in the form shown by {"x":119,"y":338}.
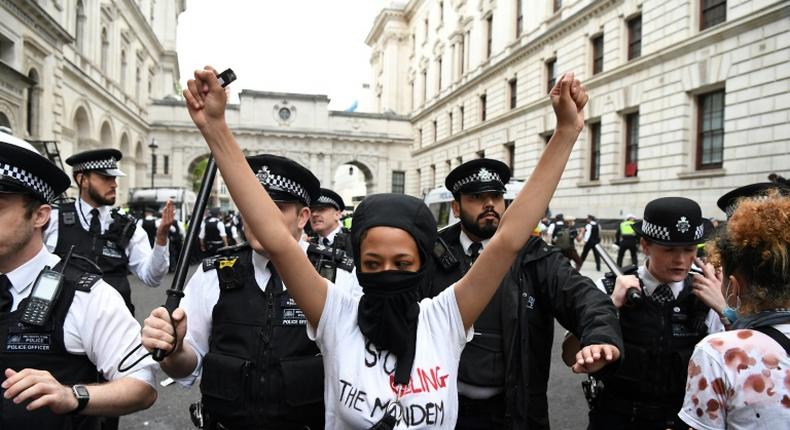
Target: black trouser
{"x":619,"y":413}
{"x":627,"y":243}
{"x":589,"y":246}
{"x":481,"y":414}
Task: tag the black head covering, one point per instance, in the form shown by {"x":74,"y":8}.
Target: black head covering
{"x":478,"y":176}
{"x":284,"y":179}
{"x":388,"y":311}
{"x":729,"y":202}
{"x":673,"y":221}
{"x":23,"y":170}
{"x":331,"y":199}
{"x":102,"y":161}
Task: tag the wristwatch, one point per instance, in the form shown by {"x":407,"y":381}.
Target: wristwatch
{"x":82,"y":395}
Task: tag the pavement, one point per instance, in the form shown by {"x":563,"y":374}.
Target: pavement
{"x":567,"y":407}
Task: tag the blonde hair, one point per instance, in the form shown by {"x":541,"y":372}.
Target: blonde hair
{"x":756,"y":246}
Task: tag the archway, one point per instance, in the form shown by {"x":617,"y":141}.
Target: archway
{"x":105,"y":135}
{"x":353,"y":181}
{"x":81,"y":126}
{"x":141,"y":172}
{"x":4,"y":121}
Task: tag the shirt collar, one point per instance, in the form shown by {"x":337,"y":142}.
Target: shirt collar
{"x":85,"y":209}
{"x":23,"y":276}
{"x":331,"y":235}
{"x":466,"y":242}
{"x":651,"y":283}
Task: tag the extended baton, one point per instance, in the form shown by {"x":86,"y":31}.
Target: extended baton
{"x":632,"y":295}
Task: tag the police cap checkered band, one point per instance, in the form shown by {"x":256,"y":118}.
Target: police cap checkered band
{"x":482,"y":175}
{"x":326,"y":200}
{"x":273,"y":181}
{"x":109,"y":163}
{"x":29,"y":180}
{"x":478,"y":176}
{"x":656,"y":231}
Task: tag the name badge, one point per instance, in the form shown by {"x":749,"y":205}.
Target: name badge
{"x":29,"y":342}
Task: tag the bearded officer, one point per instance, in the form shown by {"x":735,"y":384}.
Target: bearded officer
{"x":242,"y":329}
{"x":660,"y":331}
{"x":87,"y":330}
{"x":504,"y":370}
{"x":325,"y":216}
{"x":108,"y":237}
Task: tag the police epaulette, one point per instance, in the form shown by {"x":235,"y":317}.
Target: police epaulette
{"x":87,"y":281}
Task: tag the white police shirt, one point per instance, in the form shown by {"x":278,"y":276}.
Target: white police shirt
{"x":359,"y":378}
{"x":220,"y":227}
{"x":331,"y":236}
{"x":97,"y":324}
{"x":201,"y":294}
{"x":150,"y":266}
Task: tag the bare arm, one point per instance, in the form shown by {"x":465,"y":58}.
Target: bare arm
{"x":475,"y":289}
{"x":206,"y":101}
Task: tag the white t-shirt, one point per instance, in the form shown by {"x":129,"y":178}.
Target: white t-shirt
{"x":358,"y":378}
{"x":738,"y":379}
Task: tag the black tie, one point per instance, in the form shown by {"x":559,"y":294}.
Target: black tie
{"x":663,"y":294}
{"x":95,"y":227}
{"x":6,"y":299}
{"x":275,"y":285}
{"x":326,"y":242}
{"x":474,"y":251}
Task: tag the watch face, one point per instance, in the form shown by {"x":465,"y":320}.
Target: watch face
{"x":285,"y":114}
{"x":81,"y":391}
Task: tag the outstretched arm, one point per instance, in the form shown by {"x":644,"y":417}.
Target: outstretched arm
{"x":206,"y":101}
{"x":475,"y":289}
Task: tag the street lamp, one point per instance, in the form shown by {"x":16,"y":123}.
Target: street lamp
{"x":153,"y":147}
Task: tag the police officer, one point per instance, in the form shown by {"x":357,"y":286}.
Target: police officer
{"x":325,"y":216}
{"x":212,"y":234}
{"x":729,"y":201}
{"x":592,"y":237}
{"x":626,"y":239}
{"x":661,"y":330}
{"x":108,"y":237}
{"x":50,"y":366}
{"x":238,"y":325}
{"x":149,"y":222}
{"x":504,"y":370}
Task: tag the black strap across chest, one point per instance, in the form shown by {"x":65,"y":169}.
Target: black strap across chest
{"x":776,"y":335}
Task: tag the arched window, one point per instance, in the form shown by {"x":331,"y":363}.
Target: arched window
{"x":4,"y":121}
{"x":33,"y":104}
{"x":79,"y":28}
{"x":138,"y":77}
{"x":124,"y":65}
{"x":105,"y":49}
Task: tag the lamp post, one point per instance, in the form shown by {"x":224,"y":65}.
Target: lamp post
{"x":153,"y":147}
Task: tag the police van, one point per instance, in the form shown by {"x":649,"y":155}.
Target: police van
{"x":440,"y":198}
{"x":182,"y":198}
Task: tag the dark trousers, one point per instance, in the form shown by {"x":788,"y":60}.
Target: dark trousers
{"x":588,"y":246}
{"x":608,"y":420}
{"x":481,"y":414}
{"x":627,"y":244}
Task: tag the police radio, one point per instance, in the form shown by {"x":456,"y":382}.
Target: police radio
{"x":45,"y":294}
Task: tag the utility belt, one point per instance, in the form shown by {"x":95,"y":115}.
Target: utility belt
{"x":637,"y":410}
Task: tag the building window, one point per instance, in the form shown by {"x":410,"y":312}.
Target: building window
{"x":398,"y":182}
{"x":413,"y":43}
{"x":635,"y":38}
{"x":489,"y":35}
{"x":105,"y":50}
{"x":79,"y":27}
{"x":510,"y":149}
{"x":483,"y":107}
{"x":597,"y":49}
{"x":166,"y":164}
{"x":557,"y":5}
{"x":152,"y":10}
{"x":32,"y":104}
{"x":138,"y":77}
{"x":513,"y":85}
{"x":710,"y":125}
{"x":419,"y":138}
{"x":461,"y":117}
{"x":519,"y":18}
{"x":450,"y":122}
{"x":713,"y":12}
{"x":435,"y":130}
{"x":124,"y":64}
{"x":551,"y":74}
{"x":425,"y":30}
{"x":465,"y":62}
{"x":411,"y":95}
{"x":150,"y":84}
{"x":439,"y":75}
{"x":631,"y":144}
{"x":424,"y":86}
{"x":595,"y":151}
{"x":441,"y":12}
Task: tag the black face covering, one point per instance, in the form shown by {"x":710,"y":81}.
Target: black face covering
{"x":388,"y":311}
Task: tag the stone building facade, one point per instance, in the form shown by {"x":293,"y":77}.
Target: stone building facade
{"x":688,"y":97}
{"x":81,"y":74}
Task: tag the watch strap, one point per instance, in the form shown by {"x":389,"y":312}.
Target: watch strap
{"x":82,"y":400}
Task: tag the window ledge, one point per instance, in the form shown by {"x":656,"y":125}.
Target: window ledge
{"x":708,"y":173}
{"x":626,"y":180}
{"x":585,"y":184}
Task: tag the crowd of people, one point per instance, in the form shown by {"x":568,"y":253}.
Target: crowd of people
{"x":295,"y":321}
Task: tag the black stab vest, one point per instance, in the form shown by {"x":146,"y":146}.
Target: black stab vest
{"x":659,"y":341}
{"x":108,"y":255}
{"x":212,"y":231}
{"x":261,"y":370}
{"x":43,"y":348}
{"x":149,"y":225}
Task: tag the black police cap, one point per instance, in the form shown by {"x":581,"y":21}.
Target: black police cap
{"x":673,"y":221}
{"x":23,"y":170}
{"x":729,"y":202}
{"x":285,"y":179}
{"x":330,"y":198}
{"x":102,"y":161}
{"x":478,"y":176}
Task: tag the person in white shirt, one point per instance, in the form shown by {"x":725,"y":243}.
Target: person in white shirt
{"x":591,"y":237}
{"x":395,"y":357}
{"x":108,"y":237}
{"x":50,"y":368}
